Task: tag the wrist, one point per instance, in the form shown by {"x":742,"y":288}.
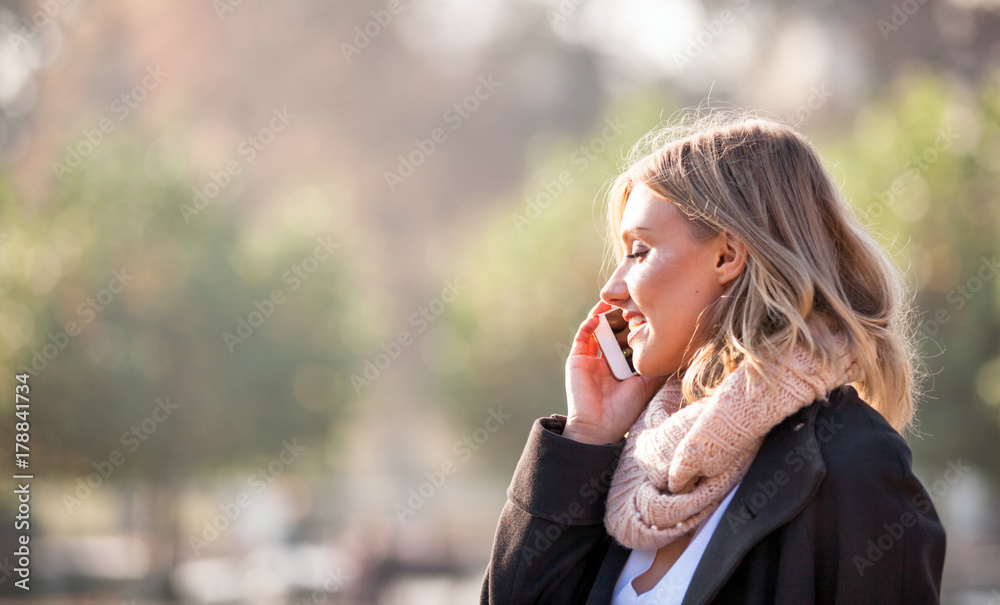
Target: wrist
{"x":585,"y":434}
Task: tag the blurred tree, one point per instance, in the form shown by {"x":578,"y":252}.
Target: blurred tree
{"x":920,"y":167}
{"x":116,"y":297}
{"x":166,"y":342}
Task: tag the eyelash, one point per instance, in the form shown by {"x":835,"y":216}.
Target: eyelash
{"x":637,"y":255}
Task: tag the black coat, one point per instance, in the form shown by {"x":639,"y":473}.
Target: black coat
{"x":828,"y":512}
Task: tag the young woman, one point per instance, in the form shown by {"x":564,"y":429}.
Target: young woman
{"x":757,"y":456}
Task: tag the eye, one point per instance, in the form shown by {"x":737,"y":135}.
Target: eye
{"x":637,"y":255}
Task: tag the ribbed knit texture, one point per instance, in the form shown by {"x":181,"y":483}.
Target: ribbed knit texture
{"x":680,"y":460}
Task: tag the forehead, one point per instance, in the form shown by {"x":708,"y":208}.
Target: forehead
{"x":644,"y":209}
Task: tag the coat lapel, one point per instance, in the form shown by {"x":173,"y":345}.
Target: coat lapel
{"x":782,"y":478}
{"x":607,"y":575}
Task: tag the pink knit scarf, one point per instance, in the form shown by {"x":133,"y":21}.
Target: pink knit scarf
{"x":681,"y":460}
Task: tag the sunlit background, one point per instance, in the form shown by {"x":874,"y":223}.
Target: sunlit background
{"x":291,"y":279}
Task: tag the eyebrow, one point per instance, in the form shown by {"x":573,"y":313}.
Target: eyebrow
{"x":631,"y":231}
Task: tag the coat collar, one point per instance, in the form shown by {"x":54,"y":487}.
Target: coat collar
{"x":780,"y":481}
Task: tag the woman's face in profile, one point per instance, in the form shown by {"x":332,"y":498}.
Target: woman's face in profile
{"x":666,"y":280}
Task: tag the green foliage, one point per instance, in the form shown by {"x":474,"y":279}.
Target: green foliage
{"x":936,"y":143}
{"x":162,"y":335}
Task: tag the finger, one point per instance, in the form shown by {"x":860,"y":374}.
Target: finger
{"x":584,"y":343}
{"x":600,"y":307}
{"x":594,"y":347}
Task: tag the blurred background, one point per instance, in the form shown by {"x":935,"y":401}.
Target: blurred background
{"x":291,"y":279}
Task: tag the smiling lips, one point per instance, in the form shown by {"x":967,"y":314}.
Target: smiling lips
{"x":635,"y":321}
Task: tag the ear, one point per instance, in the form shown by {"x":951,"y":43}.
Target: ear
{"x":731,"y":257}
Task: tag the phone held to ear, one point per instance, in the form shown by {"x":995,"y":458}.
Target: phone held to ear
{"x":620,"y":364}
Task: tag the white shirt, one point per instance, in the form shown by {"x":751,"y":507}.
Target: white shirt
{"x":673,"y":585}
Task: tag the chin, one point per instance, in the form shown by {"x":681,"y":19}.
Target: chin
{"x":639,"y":362}
{"x":646,"y":366}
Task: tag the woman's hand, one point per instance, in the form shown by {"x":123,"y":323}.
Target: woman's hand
{"x":601,"y":408}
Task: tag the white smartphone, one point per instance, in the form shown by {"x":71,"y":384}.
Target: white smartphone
{"x":621,"y":366}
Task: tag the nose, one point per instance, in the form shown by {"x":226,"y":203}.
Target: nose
{"x":615,"y":291}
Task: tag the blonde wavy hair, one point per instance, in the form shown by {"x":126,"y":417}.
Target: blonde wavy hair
{"x":809,"y":255}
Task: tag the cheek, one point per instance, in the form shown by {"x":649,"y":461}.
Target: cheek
{"x":651,"y":292}
{"x":654,"y":284}
{"x":671,"y":300}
